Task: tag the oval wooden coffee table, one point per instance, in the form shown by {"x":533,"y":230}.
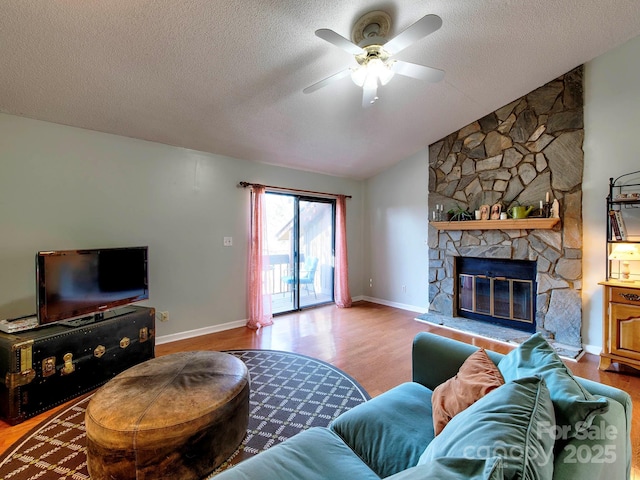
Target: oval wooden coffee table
{"x":178,"y":416}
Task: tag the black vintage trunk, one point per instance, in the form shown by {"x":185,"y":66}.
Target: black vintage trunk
{"x":45,"y":367}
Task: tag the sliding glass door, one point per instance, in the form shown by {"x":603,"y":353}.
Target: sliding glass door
{"x":300,"y":246}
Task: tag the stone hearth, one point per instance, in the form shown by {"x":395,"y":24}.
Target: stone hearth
{"x":513,"y":156}
{"x":494,"y":332}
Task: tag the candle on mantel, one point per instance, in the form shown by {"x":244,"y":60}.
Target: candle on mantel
{"x":540,"y":205}
{"x":547,"y":199}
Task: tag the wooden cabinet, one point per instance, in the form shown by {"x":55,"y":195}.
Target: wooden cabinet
{"x":621,"y":325}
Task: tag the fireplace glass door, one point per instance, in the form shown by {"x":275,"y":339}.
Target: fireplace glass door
{"x":504,"y":298}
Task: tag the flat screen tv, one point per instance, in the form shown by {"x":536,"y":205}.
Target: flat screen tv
{"x":77,"y":283}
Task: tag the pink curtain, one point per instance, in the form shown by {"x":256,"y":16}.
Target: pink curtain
{"x":341,"y":288}
{"x":259,"y":301}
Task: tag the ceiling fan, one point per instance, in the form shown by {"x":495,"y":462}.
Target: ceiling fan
{"x":374,"y":53}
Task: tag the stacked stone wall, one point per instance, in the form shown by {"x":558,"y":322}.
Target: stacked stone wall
{"x":514,"y":156}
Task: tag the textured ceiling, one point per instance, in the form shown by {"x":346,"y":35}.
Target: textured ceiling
{"x":227,"y":76}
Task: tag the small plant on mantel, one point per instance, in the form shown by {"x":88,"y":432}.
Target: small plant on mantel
{"x":458,"y":214}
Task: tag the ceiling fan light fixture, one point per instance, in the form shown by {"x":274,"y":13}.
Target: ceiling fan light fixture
{"x":372,"y":72}
{"x":373,"y":53}
{"x":381,"y":70}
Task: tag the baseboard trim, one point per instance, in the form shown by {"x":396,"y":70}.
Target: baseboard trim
{"x":402,"y":306}
{"x":199,"y":331}
{"x":592,"y":349}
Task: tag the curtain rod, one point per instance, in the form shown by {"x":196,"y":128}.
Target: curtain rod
{"x":248,"y":184}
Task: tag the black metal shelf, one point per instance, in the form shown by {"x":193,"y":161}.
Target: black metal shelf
{"x":618,"y":187}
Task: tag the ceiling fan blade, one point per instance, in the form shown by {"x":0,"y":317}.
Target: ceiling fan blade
{"x":423,"y":27}
{"x":420,"y":72}
{"x":369,"y":95}
{"x":339,"y":41}
{"x":322,"y":83}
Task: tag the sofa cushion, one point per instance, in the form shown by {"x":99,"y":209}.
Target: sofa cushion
{"x":602,"y":448}
{"x":507,"y":423}
{"x":390,"y":431}
{"x":314,"y":454}
{"x":575,"y":406}
{"x":477,"y":376}
{"x":452,"y":468}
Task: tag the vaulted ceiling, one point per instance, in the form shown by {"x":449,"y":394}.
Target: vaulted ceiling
{"x":227,"y":76}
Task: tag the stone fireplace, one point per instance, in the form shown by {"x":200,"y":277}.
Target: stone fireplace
{"x":514,"y":156}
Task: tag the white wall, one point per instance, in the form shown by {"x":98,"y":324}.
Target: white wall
{"x":65,"y":188}
{"x":396,"y":234}
{"x":612,"y":128}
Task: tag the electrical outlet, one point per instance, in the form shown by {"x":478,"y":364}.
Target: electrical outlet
{"x":404,"y":288}
{"x":227,"y":241}
{"x":370,"y":282}
{"x":164,"y":316}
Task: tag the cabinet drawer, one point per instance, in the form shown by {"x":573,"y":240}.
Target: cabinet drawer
{"x":630,"y":296}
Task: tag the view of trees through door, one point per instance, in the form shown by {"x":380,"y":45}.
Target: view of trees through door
{"x":300,"y":243}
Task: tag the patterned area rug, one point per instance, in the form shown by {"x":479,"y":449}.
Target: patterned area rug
{"x":289,"y":393}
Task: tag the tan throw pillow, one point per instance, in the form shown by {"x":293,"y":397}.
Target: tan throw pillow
{"x":477,"y":376}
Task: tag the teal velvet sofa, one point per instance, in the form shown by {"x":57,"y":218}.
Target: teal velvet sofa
{"x":509,"y":433}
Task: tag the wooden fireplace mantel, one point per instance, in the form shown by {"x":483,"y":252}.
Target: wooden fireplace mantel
{"x":509,"y":224}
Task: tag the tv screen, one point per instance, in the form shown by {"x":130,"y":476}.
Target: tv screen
{"x":75,"y":283}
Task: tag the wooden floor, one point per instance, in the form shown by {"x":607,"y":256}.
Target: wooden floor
{"x":370,"y":342}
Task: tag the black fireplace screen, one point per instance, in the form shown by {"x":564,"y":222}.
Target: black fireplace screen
{"x":499,"y":291}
